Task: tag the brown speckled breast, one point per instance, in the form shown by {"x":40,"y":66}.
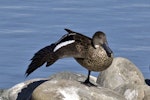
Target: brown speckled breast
{"x":96,"y":59}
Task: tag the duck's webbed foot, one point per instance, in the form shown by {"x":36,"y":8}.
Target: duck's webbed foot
{"x":88,"y":83}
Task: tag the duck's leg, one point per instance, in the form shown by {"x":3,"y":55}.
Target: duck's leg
{"x":87,"y":81}
{"x":88,"y":78}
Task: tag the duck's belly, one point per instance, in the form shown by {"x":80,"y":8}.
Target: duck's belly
{"x":96,"y":60}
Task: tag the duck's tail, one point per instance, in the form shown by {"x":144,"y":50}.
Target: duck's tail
{"x":45,"y":55}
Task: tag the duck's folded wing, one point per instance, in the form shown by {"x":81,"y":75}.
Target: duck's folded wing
{"x":73,"y":49}
{"x":72,"y":44}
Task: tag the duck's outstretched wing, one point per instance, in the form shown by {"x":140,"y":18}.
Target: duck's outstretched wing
{"x":42,"y":56}
{"x":72,"y":44}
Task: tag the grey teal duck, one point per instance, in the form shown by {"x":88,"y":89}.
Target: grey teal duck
{"x":93,"y":53}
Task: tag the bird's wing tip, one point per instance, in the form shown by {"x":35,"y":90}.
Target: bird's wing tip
{"x":26,"y":75}
{"x":68,"y":30}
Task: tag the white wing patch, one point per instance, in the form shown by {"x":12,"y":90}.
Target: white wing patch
{"x":63,"y":44}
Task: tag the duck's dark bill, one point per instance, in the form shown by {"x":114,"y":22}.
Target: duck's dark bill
{"x":107,"y":49}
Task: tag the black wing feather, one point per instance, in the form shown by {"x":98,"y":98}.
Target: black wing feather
{"x":42,"y":56}
{"x":47,"y":55}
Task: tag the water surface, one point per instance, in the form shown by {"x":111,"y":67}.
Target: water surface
{"x":27,"y":26}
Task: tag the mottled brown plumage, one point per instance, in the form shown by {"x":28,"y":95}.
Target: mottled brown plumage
{"x":92,"y":53}
{"x":96,"y":60}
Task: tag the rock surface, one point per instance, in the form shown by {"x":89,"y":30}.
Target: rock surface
{"x":122,"y":81}
{"x":72,"y":90}
{"x":123,"y":77}
{"x":72,"y":76}
{"x":22,"y":91}
{"x":146,"y":92}
{"x":121,"y":72}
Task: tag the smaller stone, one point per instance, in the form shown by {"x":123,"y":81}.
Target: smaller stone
{"x":147,"y":81}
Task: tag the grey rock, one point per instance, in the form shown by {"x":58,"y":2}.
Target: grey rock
{"x":146,"y":92}
{"x":123,"y":77}
{"x":122,"y":81}
{"x":63,"y":85}
{"x":121,"y":72}
{"x":2,"y":91}
{"x":22,"y":91}
{"x":63,"y":89}
{"x":131,"y":92}
{"x":72,"y":76}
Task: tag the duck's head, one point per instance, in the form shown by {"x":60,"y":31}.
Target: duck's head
{"x":99,"y":39}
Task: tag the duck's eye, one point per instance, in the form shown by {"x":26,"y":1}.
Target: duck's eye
{"x":100,"y":37}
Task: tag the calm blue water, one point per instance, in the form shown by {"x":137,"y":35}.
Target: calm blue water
{"x":29,"y":25}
